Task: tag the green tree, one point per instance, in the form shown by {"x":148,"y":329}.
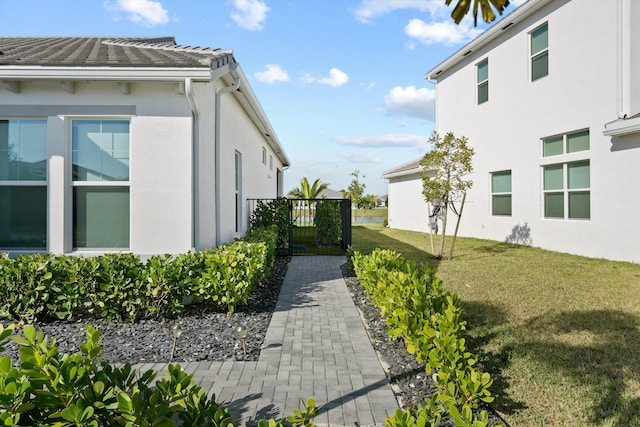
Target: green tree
{"x":306,"y":191}
{"x":355,"y":191}
{"x":462,"y":8}
{"x":443,"y":178}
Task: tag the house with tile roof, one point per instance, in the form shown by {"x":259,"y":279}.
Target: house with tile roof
{"x":549,"y":98}
{"x":128,"y":144}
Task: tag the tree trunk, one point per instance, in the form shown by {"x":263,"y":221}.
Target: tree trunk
{"x":445,"y":212}
{"x":433,"y":251}
{"x":455,"y":233}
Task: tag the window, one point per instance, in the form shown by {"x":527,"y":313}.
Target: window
{"x":483,"y":81}
{"x":238,"y":189}
{"x":501,"y":193}
{"x":271,"y":163}
{"x":264,"y":156}
{"x":564,"y":144}
{"x":539,"y":52}
{"x":567,"y":184}
{"x":23,"y":184}
{"x":100,"y":171}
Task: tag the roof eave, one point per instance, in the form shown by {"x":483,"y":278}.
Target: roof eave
{"x":518,"y":15}
{"x":406,"y":172}
{"x":35,"y":72}
{"x":259,"y":115}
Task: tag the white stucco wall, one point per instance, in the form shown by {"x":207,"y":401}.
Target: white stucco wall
{"x":506,"y":132}
{"x":407,"y":209}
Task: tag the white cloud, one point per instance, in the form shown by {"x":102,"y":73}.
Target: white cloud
{"x":445,"y":32}
{"x":362,"y":157}
{"x":382,"y":141}
{"x":336,"y":78}
{"x":250,"y":14}
{"x":370,"y":9}
{"x":273,"y":74}
{"x":145,"y":12}
{"x":409,"y":101}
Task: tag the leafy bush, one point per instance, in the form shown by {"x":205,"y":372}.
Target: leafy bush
{"x":49,"y":389}
{"x":122,"y":287}
{"x":417,"y":310}
{"x":328,"y":223}
{"x":273,"y":212}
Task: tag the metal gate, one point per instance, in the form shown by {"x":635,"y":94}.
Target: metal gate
{"x":306,"y":226}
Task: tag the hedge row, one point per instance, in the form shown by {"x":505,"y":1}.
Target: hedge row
{"x":47,"y":389}
{"x":122,"y":287}
{"x":420,"y":312}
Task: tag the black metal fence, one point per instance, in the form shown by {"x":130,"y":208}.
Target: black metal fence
{"x":306,"y":226}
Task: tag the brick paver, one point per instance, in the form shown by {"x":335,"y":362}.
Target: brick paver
{"x":316,"y":346}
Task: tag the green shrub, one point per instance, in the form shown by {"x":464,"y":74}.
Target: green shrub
{"x":328,"y":223}
{"x":231,"y":273}
{"x":417,"y":310}
{"x":121,"y":287}
{"x":49,"y":389}
{"x":273,"y":212}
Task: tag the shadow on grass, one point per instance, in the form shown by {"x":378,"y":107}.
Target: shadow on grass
{"x":483,"y":320}
{"x":599,"y":349}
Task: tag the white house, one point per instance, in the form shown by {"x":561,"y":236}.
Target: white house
{"x":407,"y":209}
{"x":128,"y":144}
{"x":549,"y":98}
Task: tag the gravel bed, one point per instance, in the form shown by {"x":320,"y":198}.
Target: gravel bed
{"x":206,"y":334}
{"x":212,"y":336}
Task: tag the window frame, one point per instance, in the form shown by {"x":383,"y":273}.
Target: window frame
{"x":264,"y":156}
{"x":36,"y":183}
{"x":538,"y":54}
{"x":564,"y":161}
{"x":103,"y":184}
{"x":501,"y":194}
{"x":237,"y":162}
{"x":482,"y":83}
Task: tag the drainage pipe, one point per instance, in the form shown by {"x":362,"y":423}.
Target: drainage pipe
{"x":235,"y":86}
{"x":195,"y":170}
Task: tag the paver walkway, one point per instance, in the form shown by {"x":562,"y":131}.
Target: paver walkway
{"x":316,"y":346}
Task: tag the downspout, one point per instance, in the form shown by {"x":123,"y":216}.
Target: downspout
{"x":620,"y":65}
{"x":195,"y":142}
{"x":235,"y":86}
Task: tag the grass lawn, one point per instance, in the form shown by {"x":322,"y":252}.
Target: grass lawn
{"x":560,"y":334}
{"x":369,"y":213}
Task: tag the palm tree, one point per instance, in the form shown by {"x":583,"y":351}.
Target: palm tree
{"x":306,"y":191}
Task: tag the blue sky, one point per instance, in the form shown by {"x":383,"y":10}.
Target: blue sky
{"x":342,"y":81}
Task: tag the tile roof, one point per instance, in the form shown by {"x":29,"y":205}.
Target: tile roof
{"x":410,"y":166}
{"x":109,"y":52}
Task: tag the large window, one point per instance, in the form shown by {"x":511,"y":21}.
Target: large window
{"x":501,"y":193}
{"x":567,"y":184}
{"x":23,"y":184}
{"x":540,"y":52}
{"x":100,"y":169}
{"x":483,"y":81}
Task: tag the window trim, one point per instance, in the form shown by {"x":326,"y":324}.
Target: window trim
{"x":482,"y":83}
{"x":32,"y":183}
{"x":501,"y":194}
{"x":565,"y":191}
{"x":538,"y":54}
{"x":238,"y":190}
{"x":70,"y":218}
